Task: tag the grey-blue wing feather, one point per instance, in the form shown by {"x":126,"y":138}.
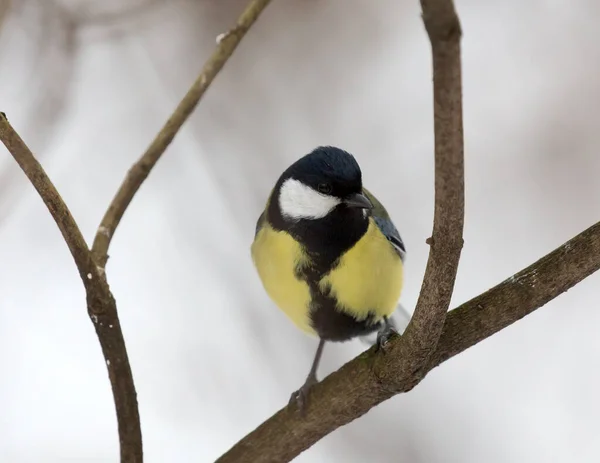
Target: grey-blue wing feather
{"x":390,"y":231}
{"x":259,"y":223}
{"x":385,"y":224}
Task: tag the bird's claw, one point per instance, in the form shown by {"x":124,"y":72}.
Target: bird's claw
{"x":384,"y":335}
{"x":300,"y":397}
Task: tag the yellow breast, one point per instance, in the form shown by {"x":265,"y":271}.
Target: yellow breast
{"x":368,"y":277}
{"x":276,"y":255}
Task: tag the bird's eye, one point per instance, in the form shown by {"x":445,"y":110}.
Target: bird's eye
{"x":324,"y":188}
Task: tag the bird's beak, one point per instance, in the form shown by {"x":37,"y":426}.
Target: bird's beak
{"x":358,"y":200}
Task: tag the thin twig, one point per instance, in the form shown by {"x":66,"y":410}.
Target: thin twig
{"x":370,"y":378}
{"x":100,"y":302}
{"x":141,"y":169}
{"x":52,"y":199}
{"x":425,"y":327}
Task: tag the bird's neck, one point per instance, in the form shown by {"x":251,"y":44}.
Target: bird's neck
{"x":326,"y":239}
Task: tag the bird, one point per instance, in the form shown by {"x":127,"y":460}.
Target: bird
{"x":329,"y":255}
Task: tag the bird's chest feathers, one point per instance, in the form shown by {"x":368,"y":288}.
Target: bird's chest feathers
{"x":278,"y":258}
{"x":366,"y":280}
{"x":368,"y":277}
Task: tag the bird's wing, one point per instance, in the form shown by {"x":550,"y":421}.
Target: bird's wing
{"x":385,"y":224}
{"x":259,"y":223}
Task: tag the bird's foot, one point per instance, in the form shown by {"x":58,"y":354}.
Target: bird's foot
{"x":384,"y":335}
{"x":300,"y":397}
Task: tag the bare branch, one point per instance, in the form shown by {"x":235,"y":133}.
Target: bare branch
{"x":100,"y":302}
{"x":519,"y":295}
{"x":429,"y":339}
{"x":227,"y":44}
{"x":425,"y":327}
{"x":52,"y":199}
{"x":372,"y":378}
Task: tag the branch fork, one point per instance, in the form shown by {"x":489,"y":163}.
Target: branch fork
{"x":91,"y":263}
{"x":432,"y":336}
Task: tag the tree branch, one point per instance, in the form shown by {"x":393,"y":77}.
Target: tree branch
{"x":52,"y":199}
{"x":425,"y":327}
{"x":226,"y":45}
{"x":372,"y":378}
{"x":430,"y":338}
{"x":519,"y":295}
{"x":100,"y":302}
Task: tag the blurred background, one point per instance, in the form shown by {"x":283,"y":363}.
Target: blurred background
{"x":88,"y":84}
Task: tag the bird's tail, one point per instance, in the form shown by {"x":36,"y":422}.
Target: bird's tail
{"x":399,"y":320}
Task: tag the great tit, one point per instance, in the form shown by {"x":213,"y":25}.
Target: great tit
{"x":328,"y":254}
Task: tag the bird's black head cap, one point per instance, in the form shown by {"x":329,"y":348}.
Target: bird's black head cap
{"x":329,"y":170}
{"x":335,"y":174}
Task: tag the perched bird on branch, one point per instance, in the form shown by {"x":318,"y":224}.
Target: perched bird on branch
{"x":328,"y":254}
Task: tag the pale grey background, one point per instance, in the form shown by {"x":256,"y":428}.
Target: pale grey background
{"x":88,"y":87}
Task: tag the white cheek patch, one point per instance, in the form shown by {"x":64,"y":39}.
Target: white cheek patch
{"x":299,"y":201}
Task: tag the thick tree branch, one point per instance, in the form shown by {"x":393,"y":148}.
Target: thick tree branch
{"x":430,"y":338}
{"x":100,"y":302}
{"x":227,"y":43}
{"x":519,"y":295}
{"x":425,"y":327}
{"x":372,"y":378}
